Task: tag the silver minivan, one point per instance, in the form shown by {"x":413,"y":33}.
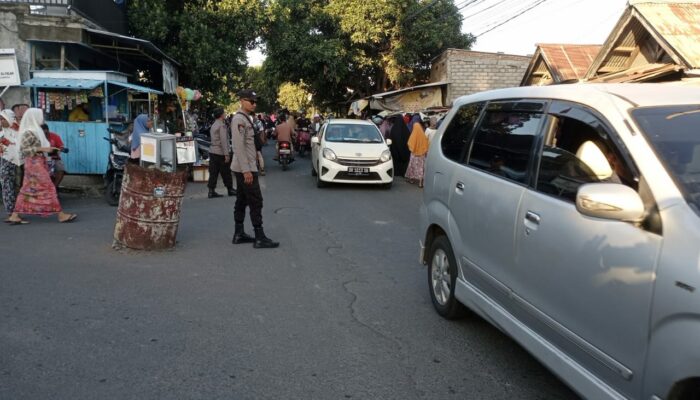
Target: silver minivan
{"x":569,"y":217}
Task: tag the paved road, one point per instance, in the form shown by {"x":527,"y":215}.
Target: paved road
{"x":340,"y":311}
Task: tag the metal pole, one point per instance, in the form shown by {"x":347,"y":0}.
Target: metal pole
{"x":106,"y":104}
{"x":4,"y":90}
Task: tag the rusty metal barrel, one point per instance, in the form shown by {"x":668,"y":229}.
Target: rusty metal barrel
{"x":149,"y":208}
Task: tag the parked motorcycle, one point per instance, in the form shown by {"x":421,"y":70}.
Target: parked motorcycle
{"x":285,"y":154}
{"x":303,"y":141}
{"x":203,"y":140}
{"x":118,"y":156}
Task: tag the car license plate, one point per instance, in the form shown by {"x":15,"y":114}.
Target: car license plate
{"x":358,"y":170}
{"x":285,"y":151}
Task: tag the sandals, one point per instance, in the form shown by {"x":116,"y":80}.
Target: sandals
{"x":71,"y":218}
{"x":20,"y":222}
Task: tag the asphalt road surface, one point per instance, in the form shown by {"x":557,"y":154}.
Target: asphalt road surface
{"x":340,"y":311}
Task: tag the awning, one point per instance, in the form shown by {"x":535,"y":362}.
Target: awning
{"x":63,"y":83}
{"x":408,"y":89}
{"x":142,"y":89}
{"x":119,"y":43}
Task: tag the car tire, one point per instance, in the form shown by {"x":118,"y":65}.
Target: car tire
{"x":442,"y":276}
{"x":313,"y":170}
{"x":319,"y":182}
{"x":387,"y":186}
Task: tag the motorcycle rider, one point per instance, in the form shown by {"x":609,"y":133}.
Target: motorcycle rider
{"x":316,"y":124}
{"x":283,"y":133}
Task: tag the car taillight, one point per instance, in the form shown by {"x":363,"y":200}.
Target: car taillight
{"x":285,"y":145}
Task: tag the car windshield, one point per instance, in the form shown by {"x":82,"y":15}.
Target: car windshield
{"x":353,"y":133}
{"x":674,"y":132}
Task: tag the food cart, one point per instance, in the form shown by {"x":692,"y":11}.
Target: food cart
{"x":108,"y":101}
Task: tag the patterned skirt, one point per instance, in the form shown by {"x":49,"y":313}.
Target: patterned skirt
{"x":416,"y":167}
{"x":38,"y":194}
{"x":8,"y":180}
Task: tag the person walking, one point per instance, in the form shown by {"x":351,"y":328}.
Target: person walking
{"x":38,"y":194}
{"x":418,"y":145}
{"x":10,"y":160}
{"x":219,"y":156}
{"x":399,"y":135}
{"x":245,"y":169}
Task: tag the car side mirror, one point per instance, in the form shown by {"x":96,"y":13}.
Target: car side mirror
{"x":388,"y":142}
{"x":315,"y":140}
{"x":610,"y":201}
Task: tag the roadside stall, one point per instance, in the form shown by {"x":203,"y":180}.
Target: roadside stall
{"x":81,"y":105}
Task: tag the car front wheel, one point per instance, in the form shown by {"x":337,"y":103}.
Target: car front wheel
{"x":442,"y":276}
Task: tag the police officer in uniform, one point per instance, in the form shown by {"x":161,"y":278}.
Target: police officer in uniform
{"x":245,"y":169}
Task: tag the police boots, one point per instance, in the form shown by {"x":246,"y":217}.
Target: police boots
{"x":240,"y":236}
{"x":262,"y":241}
{"x":212,"y":194}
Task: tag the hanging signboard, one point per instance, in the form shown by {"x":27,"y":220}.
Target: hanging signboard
{"x":9,"y":73}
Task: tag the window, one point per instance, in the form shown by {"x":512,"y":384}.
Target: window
{"x":354,"y":133}
{"x":578,"y":150}
{"x":503,"y":143}
{"x":672,"y":132}
{"x":454,"y":140}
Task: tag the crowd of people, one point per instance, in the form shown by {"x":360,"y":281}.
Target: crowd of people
{"x":30,"y":166}
{"x":410,"y":136}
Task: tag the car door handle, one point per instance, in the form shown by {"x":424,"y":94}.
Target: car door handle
{"x":460,"y":186}
{"x":533,"y":217}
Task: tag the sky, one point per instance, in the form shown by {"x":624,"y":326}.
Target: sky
{"x":552,"y":21}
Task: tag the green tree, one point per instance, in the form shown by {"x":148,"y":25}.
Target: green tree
{"x":209,"y":38}
{"x":294,"y":96}
{"x":343,"y":46}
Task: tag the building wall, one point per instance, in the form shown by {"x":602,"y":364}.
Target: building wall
{"x":472,"y":71}
{"x":10,"y":19}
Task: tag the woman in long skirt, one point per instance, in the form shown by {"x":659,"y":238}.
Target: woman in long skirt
{"x":418,"y":145}
{"x":9,"y":159}
{"x":38,"y":194}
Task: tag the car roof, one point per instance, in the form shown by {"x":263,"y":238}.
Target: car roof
{"x":350,"y":121}
{"x":637,"y":94}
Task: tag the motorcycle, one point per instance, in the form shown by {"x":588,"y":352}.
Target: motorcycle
{"x":119,"y":154}
{"x":203,"y":140}
{"x":303,"y":141}
{"x":285,"y":154}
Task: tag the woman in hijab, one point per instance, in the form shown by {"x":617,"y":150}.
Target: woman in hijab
{"x":399,"y":145}
{"x":9,"y":159}
{"x":418,"y":145}
{"x":142,"y":124}
{"x":38,"y":194}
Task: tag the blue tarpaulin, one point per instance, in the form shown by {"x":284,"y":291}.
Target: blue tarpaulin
{"x":63,"y":83}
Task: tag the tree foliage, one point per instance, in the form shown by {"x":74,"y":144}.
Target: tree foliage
{"x":294,"y":96}
{"x":336,"y":45}
{"x":209,"y":38}
{"x":338,"y":48}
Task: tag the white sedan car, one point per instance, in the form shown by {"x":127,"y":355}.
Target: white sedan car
{"x":351,"y":151}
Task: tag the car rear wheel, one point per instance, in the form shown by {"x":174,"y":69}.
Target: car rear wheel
{"x":442,"y":276}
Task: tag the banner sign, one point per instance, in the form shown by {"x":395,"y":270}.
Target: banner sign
{"x":9,"y":73}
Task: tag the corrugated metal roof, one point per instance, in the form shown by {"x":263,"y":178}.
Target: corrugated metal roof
{"x":408,"y":89}
{"x":63,"y":83}
{"x":677,"y":23}
{"x":135,"y":87}
{"x":642,"y":73}
{"x":568,"y":61}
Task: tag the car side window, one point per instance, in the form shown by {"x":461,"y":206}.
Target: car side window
{"x":456,"y":136}
{"x":503,"y":142}
{"x":579,"y":149}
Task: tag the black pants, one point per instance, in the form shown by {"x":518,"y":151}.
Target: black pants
{"x":248,"y":196}
{"x":218,"y":165}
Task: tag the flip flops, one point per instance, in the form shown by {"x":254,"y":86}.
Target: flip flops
{"x":71,"y":218}
{"x":20,"y":222}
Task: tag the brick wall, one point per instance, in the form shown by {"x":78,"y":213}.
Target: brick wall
{"x":472,"y":71}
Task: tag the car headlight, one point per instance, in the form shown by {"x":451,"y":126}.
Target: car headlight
{"x":386,"y":156}
{"x":328,"y":154}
